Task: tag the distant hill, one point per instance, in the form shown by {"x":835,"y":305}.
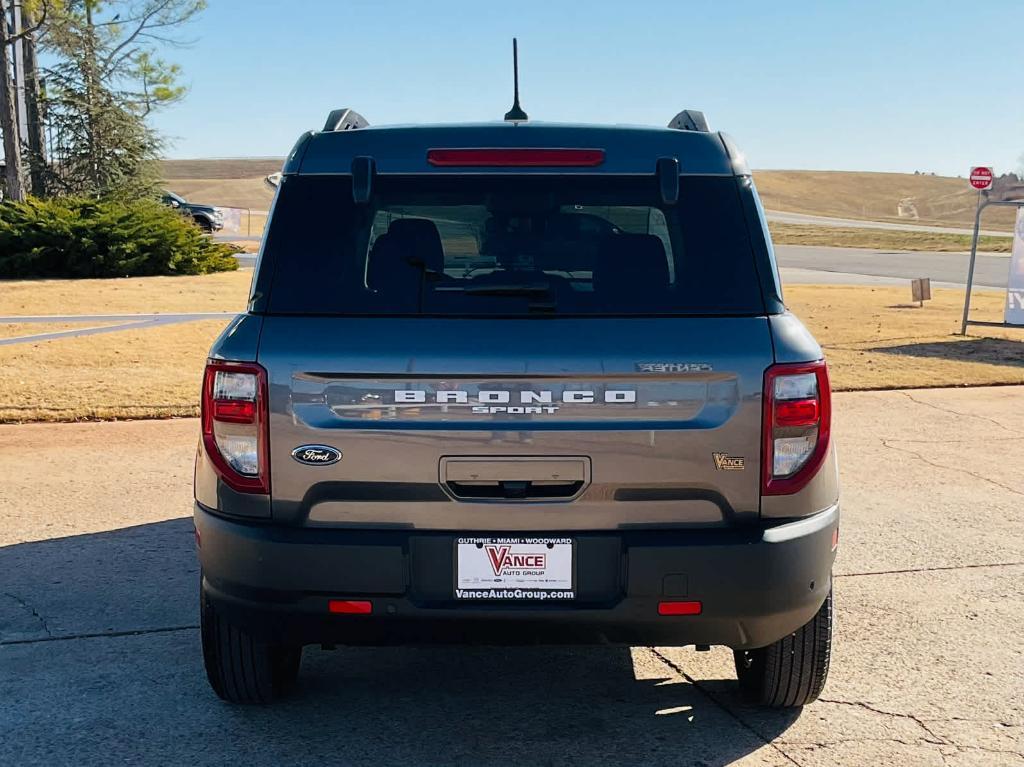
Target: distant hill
{"x":928,"y":200}
{"x":232,"y":182}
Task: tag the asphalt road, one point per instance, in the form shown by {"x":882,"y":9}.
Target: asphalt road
{"x":100,"y":661}
{"x":810,"y":263}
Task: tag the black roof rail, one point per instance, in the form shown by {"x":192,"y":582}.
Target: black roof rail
{"x":690,"y":119}
{"x":344,"y":119}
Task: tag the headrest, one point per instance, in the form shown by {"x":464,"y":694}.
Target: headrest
{"x":631,"y":262}
{"x":418,"y":240}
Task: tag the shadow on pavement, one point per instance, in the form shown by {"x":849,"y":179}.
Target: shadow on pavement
{"x":992,"y":351}
{"x":137,"y":691}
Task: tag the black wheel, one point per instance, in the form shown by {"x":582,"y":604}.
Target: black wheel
{"x":204,"y":224}
{"x":240,"y":668}
{"x":792,"y":671}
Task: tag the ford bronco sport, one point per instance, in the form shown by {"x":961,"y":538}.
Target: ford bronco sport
{"x":516,"y":382}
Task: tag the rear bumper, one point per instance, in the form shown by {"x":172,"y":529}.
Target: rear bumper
{"x":755,"y":585}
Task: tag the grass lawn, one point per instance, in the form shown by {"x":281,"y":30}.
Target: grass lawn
{"x":16,"y":329}
{"x":883,"y":239}
{"x":873,"y":338}
{"x":147,"y":373}
{"x":222,"y":292}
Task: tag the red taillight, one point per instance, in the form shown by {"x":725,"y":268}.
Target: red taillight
{"x":234,"y":411}
{"x":796,"y":427}
{"x":679,"y":608}
{"x":234,"y":424}
{"x":515,"y":157}
{"x":350,"y":606}
{"x":801,"y":412}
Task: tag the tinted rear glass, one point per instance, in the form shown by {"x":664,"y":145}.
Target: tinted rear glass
{"x":449,"y":245}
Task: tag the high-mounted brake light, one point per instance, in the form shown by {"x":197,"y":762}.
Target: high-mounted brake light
{"x":350,"y":606}
{"x":679,"y":608}
{"x":797,"y":425}
{"x":234,"y":423}
{"x":515,"y":157}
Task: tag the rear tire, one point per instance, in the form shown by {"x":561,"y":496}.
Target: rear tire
{"x":792,"y":671}
{"x":241,"y":668}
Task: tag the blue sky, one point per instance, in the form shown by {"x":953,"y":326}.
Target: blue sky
{"x":890,"y":86}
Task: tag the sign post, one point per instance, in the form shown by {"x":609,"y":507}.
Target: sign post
{"x":981,"y":178}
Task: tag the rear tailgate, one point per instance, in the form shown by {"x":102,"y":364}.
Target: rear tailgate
{"x":517,"y":424}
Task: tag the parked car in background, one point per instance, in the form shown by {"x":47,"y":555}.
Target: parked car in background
{"x":207,"y":217}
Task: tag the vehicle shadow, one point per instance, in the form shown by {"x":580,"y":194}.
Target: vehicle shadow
{"x":101,"y":661}
{"x":992,"y":351}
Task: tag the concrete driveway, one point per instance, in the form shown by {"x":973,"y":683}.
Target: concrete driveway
{"x":100,"y":663}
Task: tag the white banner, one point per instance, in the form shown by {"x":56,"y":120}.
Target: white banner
{"x":232,"y":220}
{"x":1015,"y":286}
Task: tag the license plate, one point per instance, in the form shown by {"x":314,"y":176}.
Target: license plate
{"x":514,"y":568}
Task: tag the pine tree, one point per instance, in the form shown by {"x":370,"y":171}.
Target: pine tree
{"x":107,"y":80}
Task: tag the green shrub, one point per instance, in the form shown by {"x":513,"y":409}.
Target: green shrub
{"x":78,"y":237}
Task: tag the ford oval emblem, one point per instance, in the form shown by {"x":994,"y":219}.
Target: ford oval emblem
{"x":316,"y":455}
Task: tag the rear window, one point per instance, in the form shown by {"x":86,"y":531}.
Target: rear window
{"x":450,"y":245}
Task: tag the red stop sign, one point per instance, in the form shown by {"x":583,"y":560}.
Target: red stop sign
{"x":981,"y":178}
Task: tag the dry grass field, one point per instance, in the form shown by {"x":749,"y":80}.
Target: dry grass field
{"x":222,"y":292}
{"x":939,"y":200}
{"x":230,"y":182}
{"x":149,"y":373}
{"x":16,"y":329}
{"x":872,"y":338}
{"x":883,"y":239}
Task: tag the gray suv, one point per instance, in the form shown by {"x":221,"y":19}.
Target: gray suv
{"x":516,"y":383}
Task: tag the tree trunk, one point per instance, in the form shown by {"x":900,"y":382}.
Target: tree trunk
{"x":33,"y":110}
{"x":91,"y":89}
{"x":8,"y":117}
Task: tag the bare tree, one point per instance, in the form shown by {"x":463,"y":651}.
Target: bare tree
{"x":14,"y":179}
{"x":14,"y":176}
{"x":34,"y":98}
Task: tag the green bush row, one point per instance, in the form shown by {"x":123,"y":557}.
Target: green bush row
{"x":73,"y":237}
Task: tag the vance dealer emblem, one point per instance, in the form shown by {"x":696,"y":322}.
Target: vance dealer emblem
{"x":316,"y":455}
{"x":725,"y":462}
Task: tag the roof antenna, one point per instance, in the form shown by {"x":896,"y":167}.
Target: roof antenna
{"x":516,"y":112}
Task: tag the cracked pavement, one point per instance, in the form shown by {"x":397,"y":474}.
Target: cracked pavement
{"x":99,"y":654}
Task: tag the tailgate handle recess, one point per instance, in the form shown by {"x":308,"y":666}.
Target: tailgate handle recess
{"x":515,"y":479}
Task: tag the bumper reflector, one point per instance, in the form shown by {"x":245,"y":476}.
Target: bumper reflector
{"x":350,"y":606}
{"x":679,"y":608}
